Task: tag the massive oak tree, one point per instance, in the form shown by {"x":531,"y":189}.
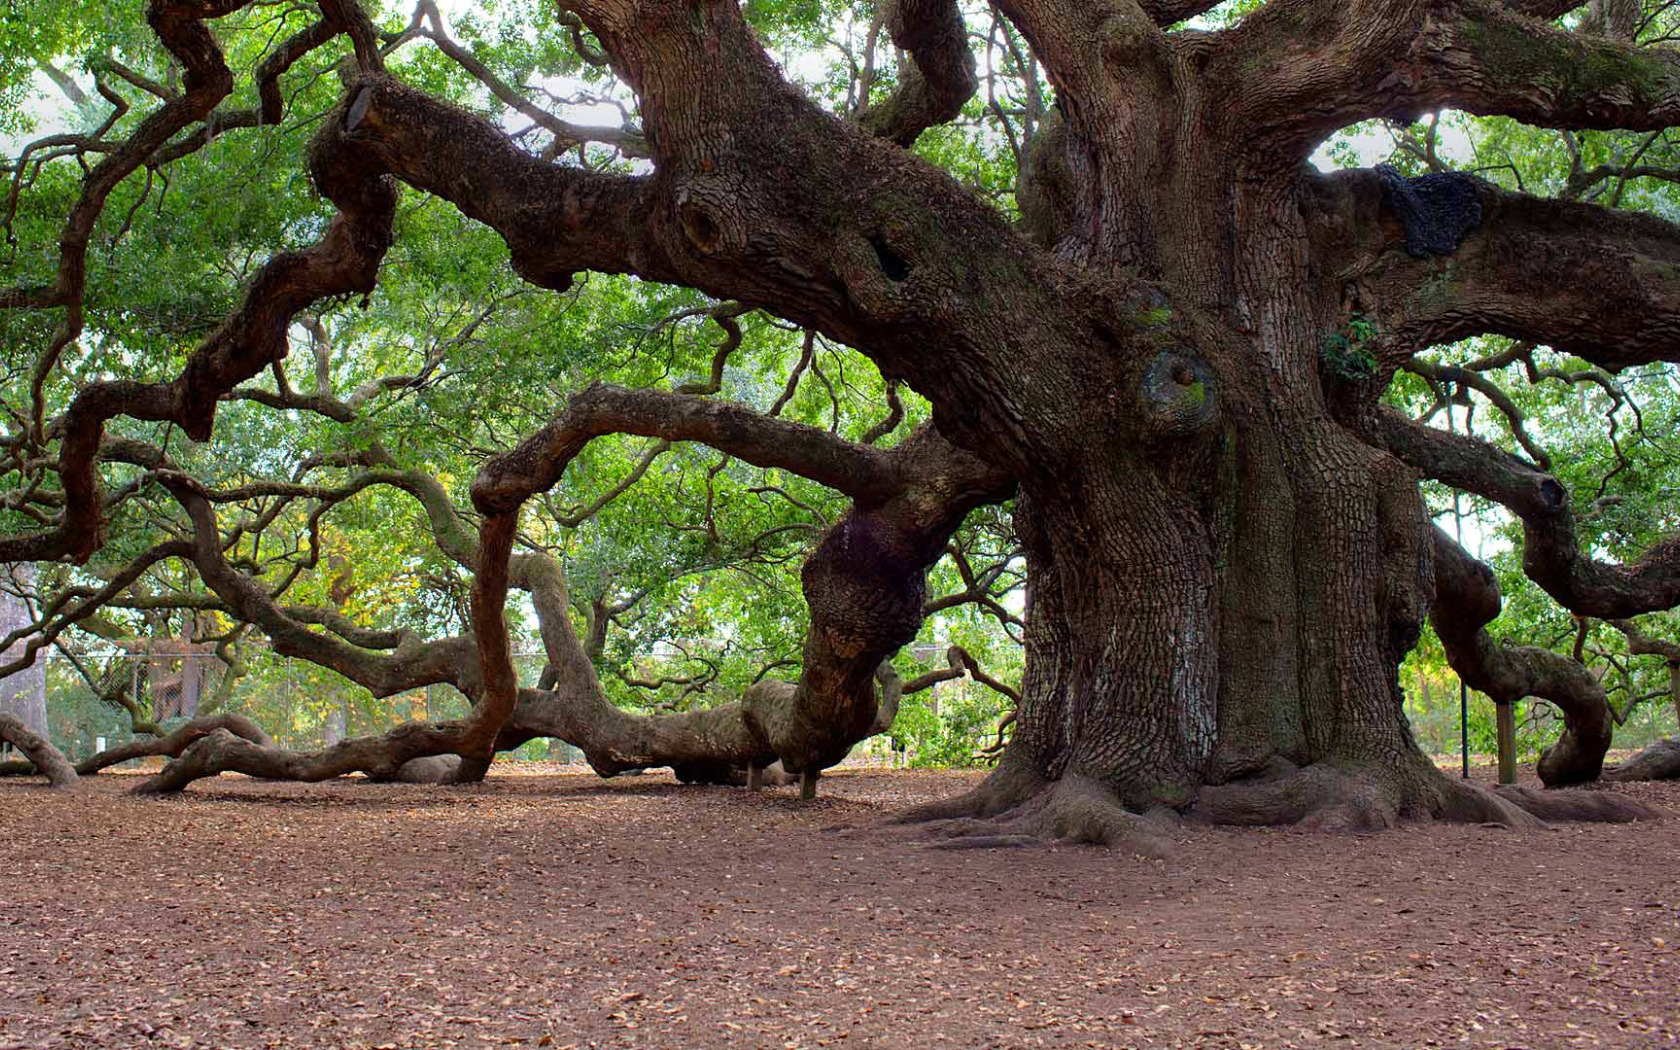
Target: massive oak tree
{"x":1172,"y":360}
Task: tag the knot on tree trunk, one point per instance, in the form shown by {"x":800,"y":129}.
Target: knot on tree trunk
{"x":709,"y":210}
{"x":1178,"y":395}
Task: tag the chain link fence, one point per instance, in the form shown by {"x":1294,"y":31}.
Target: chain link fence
{"x":1432,"y":707}
{"x":302,"y":706}
{"x":306,"y":707}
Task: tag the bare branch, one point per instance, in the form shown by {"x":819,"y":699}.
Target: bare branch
{"x":859,"y":471}
{"x":894,"y":416}
{"x":725,"y":314}
{"x":627,"y":140}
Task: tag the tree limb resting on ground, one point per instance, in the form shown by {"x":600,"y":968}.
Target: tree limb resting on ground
{"x":39,"y":750}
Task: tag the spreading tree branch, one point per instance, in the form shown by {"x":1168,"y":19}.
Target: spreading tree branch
{"x":1552,"y":555}
{"x":345,"y":261}
{"x":1307,"y":68}
{"x":940,"y":78}
{"x":1601,"y":284}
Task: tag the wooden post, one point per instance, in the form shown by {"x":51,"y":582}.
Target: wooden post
{"x":1507,"y":743}
{"x":1674,"y":686}
{"x":755,"y":777}
{"x":808,"y":784}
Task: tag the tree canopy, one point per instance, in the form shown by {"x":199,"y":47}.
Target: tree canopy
{"x":1156,"y":365}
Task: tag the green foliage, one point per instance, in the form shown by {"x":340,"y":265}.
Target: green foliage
{"x":1345,"y":352}
{"x":703,"y":553}
{"x":946,"y":727}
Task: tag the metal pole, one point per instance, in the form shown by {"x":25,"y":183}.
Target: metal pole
{"x":1463,"y":690}
{"x":1464,"y":726}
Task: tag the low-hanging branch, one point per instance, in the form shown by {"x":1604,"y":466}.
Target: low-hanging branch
{"x":863,"y":584}
{"x":174,"y":742}
{"x":39,"y":750}
{"x":906,"y":470}
{"x":1466,"y":600}
{"x":72,"y":605}
{"x":1552,"y":554}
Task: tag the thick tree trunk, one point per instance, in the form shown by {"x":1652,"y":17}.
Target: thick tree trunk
{"x":1239,"y":667}
{"x":1120,"y":656}
{"x":23,"y":694}
{"x":1201,"y":645}
{"x":1218,"y":611}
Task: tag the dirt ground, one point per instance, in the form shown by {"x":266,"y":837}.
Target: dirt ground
{"x":564,"y":911}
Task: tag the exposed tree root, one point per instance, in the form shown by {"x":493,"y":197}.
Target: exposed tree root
{"x":1579,"y":805}
{"x":1073,"y":809}
{"x":47,"y":758}
{"x":1660,"y":761}
{"x":1329,"y":798}
{"x":1008,"y":786}
{"x":1016,"y":808}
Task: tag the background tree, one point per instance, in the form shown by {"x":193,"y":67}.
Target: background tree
{"x":23,"y":693}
